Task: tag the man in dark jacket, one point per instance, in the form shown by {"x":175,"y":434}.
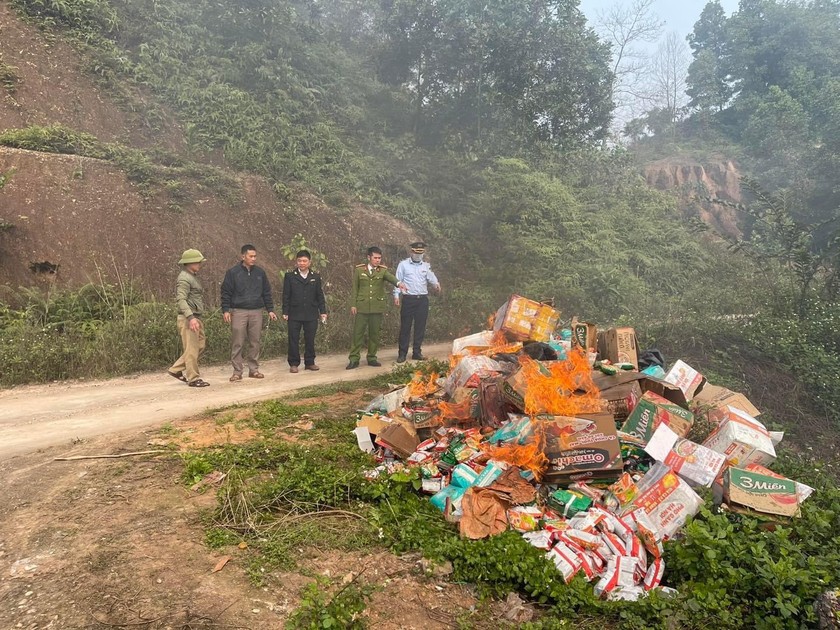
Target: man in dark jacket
{"x":245,"y":293}
{"x":303,"y":305}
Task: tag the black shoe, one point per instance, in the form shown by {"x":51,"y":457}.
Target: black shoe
{"x":374,"y":363}
{"x":352,"y":365}
{"x":400,"y":358}
{"x":418,"y":357}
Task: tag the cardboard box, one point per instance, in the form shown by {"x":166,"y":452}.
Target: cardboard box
{"x":421,"y":415}
{"x":763,"y":493}
{"x":584,"y":335}
{"x":670,"y":392}
{"x":622,"y":399}
{"x":695,"y":463}
{"x":479,"y":341}
{"x":469,"y":372}
{"x":522,"y":319}
{"x":619,"y":345}
{"x":742,"y":439}
{"x":653,"y":410}
{"x":689,"y":380}
{"x":374,"y":423}
{"x":583,"y":447}
{"x":492,"y":405}
{"x":514,"y":387}
{"x":399,"y":439}
{"x":715,"y":400}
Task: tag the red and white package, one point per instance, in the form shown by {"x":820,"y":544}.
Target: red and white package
{"x":654,"y":574}
{"x":586,"y":566}
{"x":541,"y":540}
{"x":561,"y":537}
{"x":620,"y":572}
{"x":565,"y":560}
{"x":614,"y":543}
{"x":626,"y":594}
{"x":598,"y":561}
{"x":646,"y":531}
{"x":587,"y":521}
{"x":584,"y":539}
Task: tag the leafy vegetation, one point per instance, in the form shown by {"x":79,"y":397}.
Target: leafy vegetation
{"x":9,"y":77}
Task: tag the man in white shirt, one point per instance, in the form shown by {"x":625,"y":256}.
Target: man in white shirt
{"x":418,"y":277}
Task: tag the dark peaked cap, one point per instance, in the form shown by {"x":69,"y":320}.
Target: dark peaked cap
{"x":418,"y":247}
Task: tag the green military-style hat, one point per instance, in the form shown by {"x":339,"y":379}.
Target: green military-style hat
{"x":191,"y":256}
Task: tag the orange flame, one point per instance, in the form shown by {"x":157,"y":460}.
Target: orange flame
{"x":455,"y":411}
{"x":567,"y":391}
{"x":420,"y":387}
{"x":526,"y":456}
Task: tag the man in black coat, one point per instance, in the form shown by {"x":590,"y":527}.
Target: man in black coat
{"x":303,"y":305}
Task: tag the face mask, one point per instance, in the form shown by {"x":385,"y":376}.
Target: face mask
{"x":416,"y":257}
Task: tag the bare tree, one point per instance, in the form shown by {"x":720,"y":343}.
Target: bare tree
{"x":668,"y":73}
{"x":626,"y":29}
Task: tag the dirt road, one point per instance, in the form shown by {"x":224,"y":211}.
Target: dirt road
{"x":40,"y":416}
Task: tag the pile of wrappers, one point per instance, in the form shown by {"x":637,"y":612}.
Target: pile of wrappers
{"x":579,"y":441}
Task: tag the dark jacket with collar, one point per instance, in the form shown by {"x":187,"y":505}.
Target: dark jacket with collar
{"x":303,"y":299}
{"x":246,"y":289}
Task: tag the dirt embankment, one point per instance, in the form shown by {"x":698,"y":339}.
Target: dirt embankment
{"x":84,"y":218}
{"x":693,"y":181}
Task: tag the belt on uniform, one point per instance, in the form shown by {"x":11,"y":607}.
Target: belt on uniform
{"x":425,"y":295}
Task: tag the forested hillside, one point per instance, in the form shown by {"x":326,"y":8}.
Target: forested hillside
{"x":480,"y":125}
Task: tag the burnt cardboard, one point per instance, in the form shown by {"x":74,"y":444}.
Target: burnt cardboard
{"x":622,"y":399}
{"x":670,"y":392}
{"x":492,"y":405}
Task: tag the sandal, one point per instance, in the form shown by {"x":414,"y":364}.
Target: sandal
{"x":198,"y":383}
{"x":235,"y":377}
{"x":256,"y":375}
{"x":179,"y":375}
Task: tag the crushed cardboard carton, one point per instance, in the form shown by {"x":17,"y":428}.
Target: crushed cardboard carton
{"x":695,"y":463}
{"x":742,"y":439}
{"x":689,"y":380}
{"x":716,"y":399}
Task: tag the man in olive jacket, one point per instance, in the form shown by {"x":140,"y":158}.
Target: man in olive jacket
{"x":303,"y":305}
{"x":190,"y":301}
{"x":367,"y":303}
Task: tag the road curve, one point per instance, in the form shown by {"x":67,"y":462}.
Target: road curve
{"x":33,"y":417}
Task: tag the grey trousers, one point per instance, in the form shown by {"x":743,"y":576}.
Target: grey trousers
{"x":246,"y":324}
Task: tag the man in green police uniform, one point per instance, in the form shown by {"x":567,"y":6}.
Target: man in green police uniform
{"x":367,"y":303}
